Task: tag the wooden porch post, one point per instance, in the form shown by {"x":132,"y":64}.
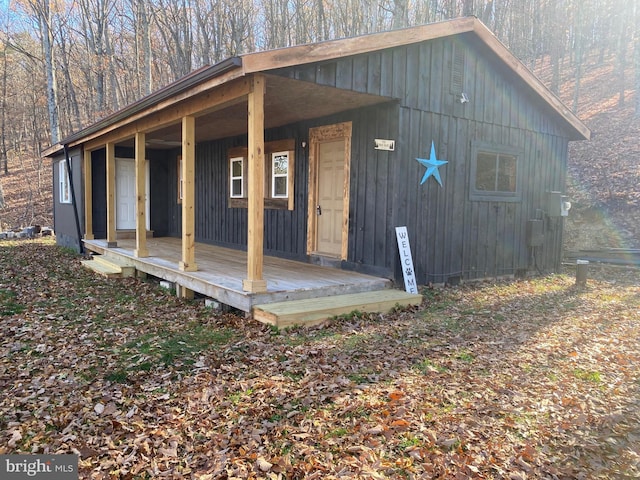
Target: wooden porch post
{"x":88,"y":197}
{"x":141,"y":197}
{"x":255,"y":235}
{"x":111,"y":195}
{"x":188,"y":262}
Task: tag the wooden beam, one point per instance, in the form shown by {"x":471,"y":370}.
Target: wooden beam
{"x":88,"y":196}
{"x":205,"y":101}
{"x":346,"y":188}
{"x":141,"y":197}
{"x":188,"y":262}
{"x":255,"y":208}
{"x":330,"y":50}
{"x":111,"y":195}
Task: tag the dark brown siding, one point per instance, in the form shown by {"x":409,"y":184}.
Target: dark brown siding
{"x":451,"y":235}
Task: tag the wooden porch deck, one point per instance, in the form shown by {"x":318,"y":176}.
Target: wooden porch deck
{"x":221,"y":271}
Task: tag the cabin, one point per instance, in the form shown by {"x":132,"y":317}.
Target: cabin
{"x":284,"y":175}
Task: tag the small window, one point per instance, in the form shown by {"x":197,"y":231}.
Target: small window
{"x":63,"y":182}
{"x":494,"y":173}
{"x":236,"y":169}
{"x":280,"y":175}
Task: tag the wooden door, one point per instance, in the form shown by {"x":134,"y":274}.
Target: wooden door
{"x":329,"y":166}
{"x":330,"y":203}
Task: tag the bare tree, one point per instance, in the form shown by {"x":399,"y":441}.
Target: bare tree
{"x":42,"y":15}
{"x":578,"y":47}
{"x":174,"y":28}
{"x":95,"y":19}
{"x":636,"y":57}
{"x":623,"y":43}
{"x":142,"y":27}
{"x":4,"y":163}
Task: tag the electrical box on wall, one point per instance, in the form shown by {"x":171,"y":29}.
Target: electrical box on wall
{"x":535,"y":233}
{"x":558,"y":205}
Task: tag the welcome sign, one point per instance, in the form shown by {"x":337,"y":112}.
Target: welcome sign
{"x":406,"y":260}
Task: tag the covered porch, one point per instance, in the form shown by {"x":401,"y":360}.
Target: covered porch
{"x":217,"y":104}
{"x":221,"y":272}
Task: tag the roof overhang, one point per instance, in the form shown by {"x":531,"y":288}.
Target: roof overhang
{"x":216,"y":95}
{"x":323,"y":51}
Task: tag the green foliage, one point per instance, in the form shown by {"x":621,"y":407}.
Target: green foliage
{"x":167,"y":347}
{"x":587,"y":375}
{"x":426,"y":365}
{"x":118,"y":376}
{"x":8,"y":303}
{"x":465,"y":356}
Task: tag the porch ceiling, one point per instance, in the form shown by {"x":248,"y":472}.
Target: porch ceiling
{"x":286,"y":101}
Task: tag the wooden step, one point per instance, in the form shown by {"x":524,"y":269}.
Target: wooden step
{"x":126,"y":269}
{"x":109,"y":267}
{"x":316,"y":310}
{"x":101,"y":268}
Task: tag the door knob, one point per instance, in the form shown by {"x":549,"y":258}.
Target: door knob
{"x":319,"y":210}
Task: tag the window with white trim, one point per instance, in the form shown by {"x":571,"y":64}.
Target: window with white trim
{"x":280,"y":175}
{"x":236,"y":169}
{"x":64,"y":188}
{"x":279,"y":164}
{"x":495,"y":173}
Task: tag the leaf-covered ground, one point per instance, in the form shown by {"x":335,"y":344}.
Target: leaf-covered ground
{"x":514,"y":380}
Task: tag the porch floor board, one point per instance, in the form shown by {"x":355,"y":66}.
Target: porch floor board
{"x":221,"y":272}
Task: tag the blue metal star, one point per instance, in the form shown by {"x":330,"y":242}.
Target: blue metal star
{"x":432,"y":164}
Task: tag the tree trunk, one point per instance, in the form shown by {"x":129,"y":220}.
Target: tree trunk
{"x":144,"y":38}
{"x":636,"y":58}
{"x":400,"y":12}
{"x":74,"y":122}
{"x":43,"y":16}
{"x":4,"y":162}
{"x":578,"y":48}
{"x":467,"y":8}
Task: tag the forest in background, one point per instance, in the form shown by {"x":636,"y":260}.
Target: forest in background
{"x":64,"y":64}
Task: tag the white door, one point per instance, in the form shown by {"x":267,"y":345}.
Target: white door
{"x":126,"y":194}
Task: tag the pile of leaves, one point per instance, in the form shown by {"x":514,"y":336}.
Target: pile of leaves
{"x":530,"y":379}
{"x":27,"y":193}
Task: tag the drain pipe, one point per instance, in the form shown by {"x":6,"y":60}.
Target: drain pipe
{"x":73,"y":197}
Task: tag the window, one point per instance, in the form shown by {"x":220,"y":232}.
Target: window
{"x":280,"y":175}
{"x":63,"y":182}
{"x":494,"y":173}
{"x":236,"y":169}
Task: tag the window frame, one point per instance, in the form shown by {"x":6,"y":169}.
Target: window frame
{"x":64,"y":183}
{"x":270,"y":201}
{"x":242,"y":161}
{"x":275,"y":176}
{"x":496,"y":150}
